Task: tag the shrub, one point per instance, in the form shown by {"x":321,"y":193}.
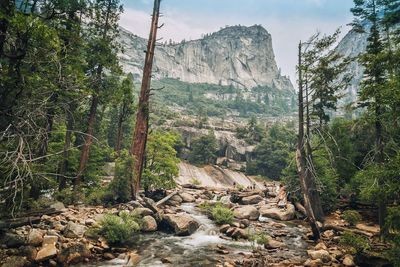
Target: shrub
{"x":195,"y":181}
{"x":355,"y":243}
{"x":119,"y":229}
{"x":119,"y":185}
{"x":259,"y":237}
{"x":352,"y":217}
{"x":221,"y":214}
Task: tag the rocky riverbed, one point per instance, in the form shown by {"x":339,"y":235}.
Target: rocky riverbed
{"x":177,"y":233}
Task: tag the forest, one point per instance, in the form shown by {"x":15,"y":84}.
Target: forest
{"x":68,"y":112}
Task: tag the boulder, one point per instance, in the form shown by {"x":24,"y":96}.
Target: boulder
{"x":49,"y":239}
{"x":73,"y":254}
{"x":57,"y":206}
{"x":255,"y":199}
{"x":15,"y":261}
{"x":35,"y":237}
{"x":321,"y":254}
{"x":279,"y":214}
{"x":149,"y":224}
{"x":226,"y":200}
{"x":313,"y":263}
{"x":182,"y":224}
{"x":176,"y":198}
{"x":141,"y":212}
{"x":46,"y":252}
{"x":12,"y":240}
{"x":133,"y":259}
{"x":186,"y":197}
{"x":224,"y":228}
{"x":246,"y":212}
{"x":348,"y":260}
{"x":239,"y":233}
{"x":74,"y":230}
{"x":273,"y":244}
{"x":320,"y":246}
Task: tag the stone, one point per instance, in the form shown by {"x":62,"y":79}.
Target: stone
{"x":186,"y":197}
{"x":90,"y":222}
{"x":176,"y":198}
{"x":29,"y":252}
{"x":274,"y":244}
{"x":49,"y":239}
{"x":182,"y":224}
{"x":279,"y":214}
{"x":35,"y":237}
{"x":348,"y":260}
{"x":46,"y":252}
{"x":255,"y":199}
{"x":313,"y":263}
{"x":57,"y":206}
{"x":74,"y":230}
{"x":246,"y":212}
{"x":73,"y":254}
{"x":133,"y":259}
{"x":239,"y":233}
{"x":166,"y":260}
{"x":319,"y":254}
{"x":328,"y":234}
{"x":141,"y":212}
{"x":108,"y":256}
{"x":320,"y":245}
{"x":149,"y":224}
{"x":226,"y":200}
{"x":15,"y":261}
{"x":12,"y":240}
{"x":224,"y":228}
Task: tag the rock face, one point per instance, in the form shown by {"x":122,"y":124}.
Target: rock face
{"x":246,"y":212}
{"x":239,"y":56}
{"x":182,"y":224}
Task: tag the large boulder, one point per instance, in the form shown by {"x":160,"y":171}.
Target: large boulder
{"x":46,"y":252}
{"x":35,"y":237}
{"x":186,"y":197}
{"x":141,"y":212}
{"x":255,"y":199}
{"x":73,"y":254}
{"x":182,"y":224}
{"x":321,"y":254}
{"x":74,"y":230}
{"x":149,"y":224}
{"x":246,"y":212}
{"x":277,"y":213}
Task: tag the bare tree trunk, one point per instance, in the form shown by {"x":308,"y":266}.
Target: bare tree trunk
{"x":67,"y":145}
{"x":88,"y":140}
{"x":142,"y":117}
{"x":302,"y":170}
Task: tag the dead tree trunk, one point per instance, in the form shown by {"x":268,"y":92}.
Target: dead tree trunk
{"x":142,"y":117}
{"x":302,"y":169}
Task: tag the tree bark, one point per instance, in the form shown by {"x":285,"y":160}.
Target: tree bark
{"x":67,"y":145}
{"x":142,"y":117}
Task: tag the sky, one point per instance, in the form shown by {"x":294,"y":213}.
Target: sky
{"x":288,"y":21}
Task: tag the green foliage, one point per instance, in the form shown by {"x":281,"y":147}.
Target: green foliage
{"x":204,"y":149}
{"x":252,"y":133}
{"x":119,"y":229}
{"x":162,"y":162}
{"x":119,"y":187}
{"x":259,"y":237}
{"x":221,"y":214}
{"x":352,"y":217}
{"x":354,"y":243}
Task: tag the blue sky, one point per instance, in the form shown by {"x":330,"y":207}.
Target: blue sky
{"x":288,"y":21}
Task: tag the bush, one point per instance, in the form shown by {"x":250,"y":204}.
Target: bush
{"x":259,"y":237}
{"x":352,"y":217}
{"x":204,"y":150}
{"x":355,"y":244}
{"x":119,"y":229}
{"x":119,"y":187}
{"x":221,"y":214}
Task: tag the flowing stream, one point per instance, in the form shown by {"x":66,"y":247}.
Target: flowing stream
{"x":199,"y":249}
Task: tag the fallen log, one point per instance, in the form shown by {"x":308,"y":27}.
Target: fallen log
{"x":165,"y":199}
{"x":344,"y":229}
{"x":14,"y":223}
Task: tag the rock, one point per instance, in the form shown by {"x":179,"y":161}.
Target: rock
{"x":15,"y":261}
{"x":166,"y":260}
{"x":273,"y":244}
{"x":108,"y":256}
{"x":279,"y":214}
{"x":52,"y":263}
{"x":35,"y":237}
{"x":135,"y":204}
{"x":176,"y":198}
{"x":29,"y":252}
{"x":182,"y":224}
{"x":133,"y":259}
{"x":98,"y":217}
{"x":57,"y":206}
{"x":73,"y":254}
{"x":186,"y":197}
{"x":49,"y":239}
{"x":12,"y":240}
{"x":230,"y":231}
{"x":348,"y":260}
{"x":90,"y":222}
{"x":313,"y":263}
{"x":149,"y":224}
{"x":255,"y":199}
{"x":246,"y":212}
{"x":239,"y":233}
{"x":319,"y":254}
{"x":226,"y":200}
{"x":320,"y":246}
{"x":46,"y":252}
{"x":141,"y":212}
{"x":224,"y":228}
{"x":74,"y":230}
{"x":328,"y":234}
